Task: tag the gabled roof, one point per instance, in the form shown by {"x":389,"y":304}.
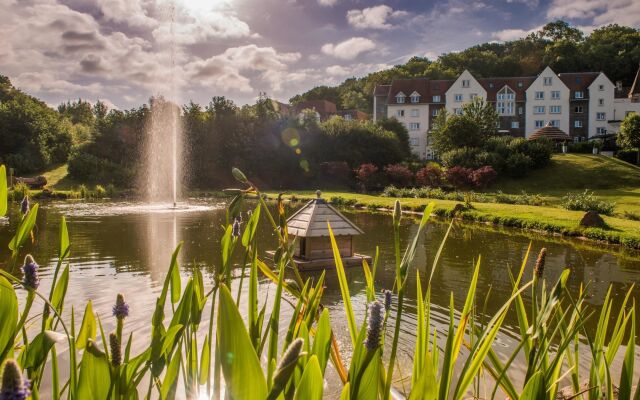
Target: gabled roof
{"x":578,"y":81}
{"x":321,"y":106}
{"x":311,"y":221}
{"x":518,"y":84}
{"x":418,"y":85}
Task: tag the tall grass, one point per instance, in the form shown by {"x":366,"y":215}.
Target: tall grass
{"x":246,"y":358}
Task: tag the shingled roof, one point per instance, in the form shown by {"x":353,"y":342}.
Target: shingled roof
{"x":550,"y":132}
{"x":311,"y":221}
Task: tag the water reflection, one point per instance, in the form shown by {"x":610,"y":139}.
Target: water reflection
{"x":124,"y":248}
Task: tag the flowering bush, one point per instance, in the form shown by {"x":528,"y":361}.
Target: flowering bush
{"x":459,"y":176}
{"x":398,"y":175}
{"x":367,"y":175}
{"x":484,"y":176}
{"x":431,"y":176}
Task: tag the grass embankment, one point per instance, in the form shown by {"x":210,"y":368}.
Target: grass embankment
{"x":609,"y":178}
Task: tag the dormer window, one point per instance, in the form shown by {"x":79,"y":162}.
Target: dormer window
{"x":579,"y":94}
{"x":400,"y":98}
{"x":415,"y":97}
{"x":466,"y":83}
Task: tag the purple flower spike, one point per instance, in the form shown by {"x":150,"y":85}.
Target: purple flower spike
{"x":30,"y":279}
{"x":235,"y":230}
{"x":24,"y":205}
{"x":121,"y":308}
{"x":374,"y":331}
{"x":387,"y":300}
{"x":14,"y":385}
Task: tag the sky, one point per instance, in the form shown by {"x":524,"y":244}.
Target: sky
{"x":124,"y":51}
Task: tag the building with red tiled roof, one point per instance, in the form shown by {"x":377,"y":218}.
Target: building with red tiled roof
{"x":324,"y":109}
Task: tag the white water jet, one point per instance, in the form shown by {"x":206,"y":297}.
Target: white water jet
{"x":164,"y":136}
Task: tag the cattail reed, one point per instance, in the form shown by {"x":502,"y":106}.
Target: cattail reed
{"x":538,"y":270}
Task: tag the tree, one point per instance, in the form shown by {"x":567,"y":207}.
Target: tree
{"x":483,"y":114}
{"x":452,"y":132}
{"x":400,"y":130}
{"x":560,"y":30}
{"x":629,"y":135}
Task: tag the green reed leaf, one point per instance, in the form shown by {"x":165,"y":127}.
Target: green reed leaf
{"x":344,"y":288}
{"x":346,"y":392}
{"x":170,"y":381}
{"x":322,"y":341}
{"x":3,"y":190}
{"x":205,"y":362}
{"x":426,"y":384}
{"x":8,"y":315}
{"x":28,"y":221}
{"x":60,"y":290}
{"x":65,"y":244}
{"x":535,"y":388}
{"x":88,"y":328}
{"x":240,"y":365}
{"x":35,"y":354}
{"x":94,"y":380}
{"x":626,"y":375}
{"x":252,"y":225}
{"x":310,"y":386}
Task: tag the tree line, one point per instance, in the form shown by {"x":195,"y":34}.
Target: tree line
{"x":612,"y":49}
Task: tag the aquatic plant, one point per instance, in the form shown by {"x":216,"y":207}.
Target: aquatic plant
{"x":256,"y":362}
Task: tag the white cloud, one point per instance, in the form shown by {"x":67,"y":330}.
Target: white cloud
{"x":350,"y":48}
{"x":373,"y":17}
{"x":506,"y":35}
{"x":327,"y":3}
{"x":600,"y":12}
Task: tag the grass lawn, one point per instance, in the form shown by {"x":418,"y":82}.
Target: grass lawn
{"x":58,"y":178}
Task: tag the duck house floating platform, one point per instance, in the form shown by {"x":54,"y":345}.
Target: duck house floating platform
{"x":309,"y":228}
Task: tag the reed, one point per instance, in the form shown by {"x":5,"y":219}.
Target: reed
{"x":246,"y":358}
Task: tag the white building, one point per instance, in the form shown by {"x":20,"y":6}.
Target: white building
{"x":463,"y":91}
{"x":547,"y":102}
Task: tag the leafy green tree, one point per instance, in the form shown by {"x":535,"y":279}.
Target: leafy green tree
{"x":629,"y":135}
{"x":353,"y":99}
{"x":560,"y":30}
{"x":483,"y":114}
{"x":455,"y":131}
{"x":79,"y":112}
{"x":401,"y":132}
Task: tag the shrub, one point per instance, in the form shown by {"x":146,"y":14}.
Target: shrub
{"x":587,"y":201}
{"x":522,"y":199}
{"x":342,"y":202}
{"x":84,"y":192}
{"x":338,"y":170}
{"x":399,"y":175}
{"x":99,"y":192}
{"x":111,"y":190}
{"x":583,"y":147}
{"x":632,"y":215}
{"x":463,"y":157}
{"x":518,"y":164}
{"x":459,"y":176}
{"x":484,"y":176}
{"x":539,"y":151}
{"x":431,"y":176}
{"x":20,"y":190}
{"x":368,"y":176}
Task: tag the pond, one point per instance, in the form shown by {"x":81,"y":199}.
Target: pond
{"x":126,"y":248}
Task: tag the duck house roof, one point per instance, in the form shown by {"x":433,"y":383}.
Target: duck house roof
{"x":311,"y":221}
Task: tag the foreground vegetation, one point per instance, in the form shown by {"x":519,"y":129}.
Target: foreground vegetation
{"x":177,"y":362}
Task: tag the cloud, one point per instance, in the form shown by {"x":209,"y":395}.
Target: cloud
{"x":350,"y":48}
{"x":506,"y":35}
{"x":599,"y":12}
{"x":327,"y":3}
{"x":373,"y":17}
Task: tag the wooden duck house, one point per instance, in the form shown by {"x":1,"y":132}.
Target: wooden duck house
{"x":308,"y":227}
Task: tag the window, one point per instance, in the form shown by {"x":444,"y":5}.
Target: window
{"x":600,"y":102}
{"x":400,"y":99}
{"x":555,"y":94}
{"x":538,"y":110}
{"x":520,"y":110}
{"x":400,"y":113}
{"x":601,"y":116}
{"x":601,"y":131}
{"x":457,"y":111}
{"x":414,"y":126}
{"x":520,"y":84}
{"x":577,"y":109}
{"x":576,"y":139}
{"x":515,"y":124}
{"x":539,"y":95}
{"x":498,"y":124}
{"x":505,"y":104}
{"x":435,"y":112}
{"x":458,"y":98}
{"x":415,"y":97}
{"x":415,"y":142}
{"x":415,"y":112}
{"x":554,"y":109}
{"x":539,"y":123}
{"x":348,"y":117}
{"x":465,"y":83}
{"x":601,"y":87}
{"x":473,"y":96}
{"x":436,"y":99}
{"x":578,"y":94}
{"x":555,"y":122}
{"x":548,"y":81}
{"x":490,"y":84}
{"x":577,"y":124}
